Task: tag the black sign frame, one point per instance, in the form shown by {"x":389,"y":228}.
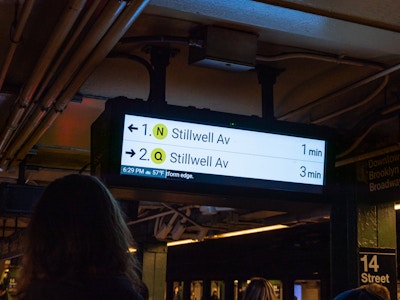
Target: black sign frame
{"x":106,"y":143}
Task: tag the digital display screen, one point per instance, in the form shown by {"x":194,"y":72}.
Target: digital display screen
{"x":166,"y":149}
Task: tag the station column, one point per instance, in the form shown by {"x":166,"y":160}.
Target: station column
{"x":363,"y":228}
{"x":155,"y":268}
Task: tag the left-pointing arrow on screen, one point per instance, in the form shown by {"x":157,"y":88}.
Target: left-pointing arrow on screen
{"x":132,"y":153}
{"x":131,"y":127}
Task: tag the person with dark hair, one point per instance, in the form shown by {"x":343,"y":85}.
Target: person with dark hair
{"x":371,"y":291}
{"x":77,"y":245}
{"x":259,"y":289}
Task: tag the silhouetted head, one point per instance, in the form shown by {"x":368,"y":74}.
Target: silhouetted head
{"x":77,"y":229}
{"x":366,"y":292}
{"x":259,"y":289}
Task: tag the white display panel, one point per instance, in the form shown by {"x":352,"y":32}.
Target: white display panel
{"x":162,"y":148}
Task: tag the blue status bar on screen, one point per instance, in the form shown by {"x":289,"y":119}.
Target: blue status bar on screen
{"x":141,"y":171}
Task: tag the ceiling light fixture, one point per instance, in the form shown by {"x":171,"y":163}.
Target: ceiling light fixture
{"x":181,"y":242}
{"x":249,"y":231}
{"x":230,"y":234}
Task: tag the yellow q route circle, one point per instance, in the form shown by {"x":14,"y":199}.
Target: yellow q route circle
{"x":160,"y":131}
{"x":158,"y":156}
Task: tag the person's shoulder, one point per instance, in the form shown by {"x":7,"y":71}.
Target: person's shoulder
{"x":358,"y":294}
{"x":46,"y":289}
{"x":114,"y":287}
{"x":106,"y":288}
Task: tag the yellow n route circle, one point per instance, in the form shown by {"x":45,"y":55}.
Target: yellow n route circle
{"x":160,"y":131}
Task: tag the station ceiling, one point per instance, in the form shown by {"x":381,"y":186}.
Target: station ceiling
{"x":336,"y":66}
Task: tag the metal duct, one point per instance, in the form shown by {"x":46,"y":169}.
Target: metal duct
{"x":71,"y":41}
{"x":355,"y":85}
{"x":15,"y":39}
{"x":105,"y":20}
{"x":118,"y":29}
{"x":370,"y":97}
{"x":54,"y":44}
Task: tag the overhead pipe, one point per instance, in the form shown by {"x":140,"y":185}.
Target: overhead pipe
{"x":71,"y":41}
{"x":24,"y":99}
{"x":111,"y":12}
{"x":360,"y":139}
{"x":337,"y":60}
{"x":384,"y":73}
{"x":199,"y":43}
{"x":116,"y":32}
{"x":385,"y":114}
{"x":99,"y":29}
{"x":370,"y":97}
{"x":341,"y":91}
{"x":16,"y":38}
{"x":138,"y":59}
{"x":330,"y":59}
